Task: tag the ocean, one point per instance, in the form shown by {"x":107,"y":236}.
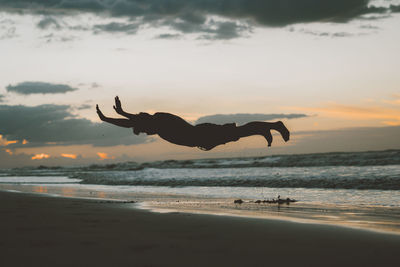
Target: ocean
{"x":360,"y":189}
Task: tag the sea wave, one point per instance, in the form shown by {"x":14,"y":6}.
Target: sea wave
{"x":370,"y":158}
{"x":381,"y":177}
{"x":357,"y":170}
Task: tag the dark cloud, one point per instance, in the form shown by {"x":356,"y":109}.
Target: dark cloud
{"x":224,"y":30}
{"x":395,"y":8}
{"x":321,"y":33}
{"x":27,"y":88}
{"x":211,"y":29}
{"x":169,"y":36}
{"x":48,"y":22}
{"x":2,"y":98}
{"x":55,"y":124}
{"x":266,"y":12}
{"x":243,"y":118}
{"x":117,"y":27}
{"x":189,"y":16}
{"x":342,"y":34}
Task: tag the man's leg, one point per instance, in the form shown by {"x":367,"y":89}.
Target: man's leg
{"x":264,"y":129}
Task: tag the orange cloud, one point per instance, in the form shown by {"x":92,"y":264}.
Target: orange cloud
{"x":71,"y":156}
{"x":5,"y":142}
{"x":392,"y":123}
{"x":104,"y":156}
{"x":9,"y":151}
{"x":389,"y":116}
{"x":41,"y":156}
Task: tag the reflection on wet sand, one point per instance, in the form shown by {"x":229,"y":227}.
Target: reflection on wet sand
{"x":381,"y":219}
{"x":40,"y":189}
{"x":100,"y":194}
{"x":68,"y":192}
{"x":376,"y":218}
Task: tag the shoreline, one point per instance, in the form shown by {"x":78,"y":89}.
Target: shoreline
{"x":69,"y":231}
{"x":375,"y":219}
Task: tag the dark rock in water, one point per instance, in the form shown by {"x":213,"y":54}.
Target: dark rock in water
{"x":238,"y":201}
{"x":276,"y":201}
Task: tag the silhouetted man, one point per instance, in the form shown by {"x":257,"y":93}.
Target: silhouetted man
{"x":205,"y":136}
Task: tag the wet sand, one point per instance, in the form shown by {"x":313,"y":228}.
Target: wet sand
{"x":39,"y":230}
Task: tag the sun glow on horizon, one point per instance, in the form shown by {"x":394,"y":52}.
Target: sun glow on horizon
{"x":5,"y":142}
{"x":104,"y":156}
{"x":71,"y":156}
{"x":40,"y":156}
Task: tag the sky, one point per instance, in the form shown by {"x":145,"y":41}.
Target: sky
{"x":328,"y":69}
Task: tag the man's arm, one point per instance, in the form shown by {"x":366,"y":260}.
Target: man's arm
{"x":120,"y":111}
{"x":118,"y":122}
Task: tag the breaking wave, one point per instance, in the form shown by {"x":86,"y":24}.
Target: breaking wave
{"x":357,"y":170}
{"x":378,"y":177}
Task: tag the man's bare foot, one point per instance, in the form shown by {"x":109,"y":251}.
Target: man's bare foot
{"x":268,"y":136}
{"x":281,"y":128}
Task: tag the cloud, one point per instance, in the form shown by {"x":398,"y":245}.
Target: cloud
{"x":225,"y":30}
{"x":48,"y":22}
{"x":265,"y":12}
{"x":27,"y":88}
{"x":5,"y":142}
{"x":243,"y":118}
{"x":169,"y":36}
{"x":70,"y":156}
{"x":9,"y":33}
{"x":349,"y":139}
{"x":40,"y":156}
{"x":2,"y":98}
{"x":55,"y":125}
{"x":117,"y":27}
{"x":189,"y":16}
{"x":57,"y":38}
{"x":395,"y":8}
{"x":388,"y":116}
{"x":104,"y":156}
{"x":84,"y":106}
{"x":95,"y":85}
{"x":321,"y":33}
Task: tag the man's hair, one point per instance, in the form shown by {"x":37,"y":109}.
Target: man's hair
{"x":143,"y":123}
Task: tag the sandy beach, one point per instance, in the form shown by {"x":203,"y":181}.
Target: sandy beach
{"x":40,"y":230}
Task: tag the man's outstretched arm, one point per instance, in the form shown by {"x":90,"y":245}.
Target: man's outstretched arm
{"x":119,"y":122}
{"x":120,"y":111}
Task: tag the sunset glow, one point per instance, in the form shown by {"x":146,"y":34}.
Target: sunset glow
{"x":103,"y":156}
{"x":71,"y":156}
{"x":317,"y":71}
{"x":40,"y":156}
{"x":5,"y":142}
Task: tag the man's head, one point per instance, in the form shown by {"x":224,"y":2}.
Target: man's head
{"x":144,"y":123}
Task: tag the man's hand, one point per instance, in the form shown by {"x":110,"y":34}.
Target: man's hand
{"x":117,"y":106}
{"x":101,"y":115}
